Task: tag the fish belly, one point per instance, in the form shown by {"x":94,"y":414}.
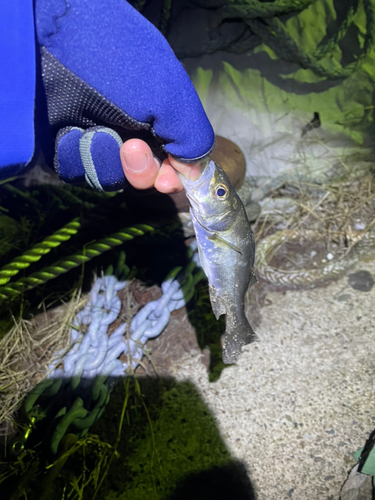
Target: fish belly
{"x":229,"y":274}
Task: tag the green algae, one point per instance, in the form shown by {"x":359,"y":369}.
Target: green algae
{"x":261,"y":82}
{"x":168,"y":434}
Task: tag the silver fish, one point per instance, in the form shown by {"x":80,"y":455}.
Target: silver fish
{"x":226,"y":250}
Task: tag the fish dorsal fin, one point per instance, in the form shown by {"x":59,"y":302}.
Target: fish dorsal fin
{"x":216,"y":237}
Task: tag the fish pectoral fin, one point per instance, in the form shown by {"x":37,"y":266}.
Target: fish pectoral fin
{"x":216,"y":237}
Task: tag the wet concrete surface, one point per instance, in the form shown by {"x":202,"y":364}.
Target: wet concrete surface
{"x":298,"y":403}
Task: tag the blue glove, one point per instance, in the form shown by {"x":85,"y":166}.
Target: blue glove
{"x":104,"y":74}
{"x":106,"y":70}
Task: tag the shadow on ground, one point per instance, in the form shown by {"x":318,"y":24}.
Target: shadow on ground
{"x":219,"y":483}
{"x":169,"y":449}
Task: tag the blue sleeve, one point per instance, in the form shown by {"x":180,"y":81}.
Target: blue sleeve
{"x":17,"y":85}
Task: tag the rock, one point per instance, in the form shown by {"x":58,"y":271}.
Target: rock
{"x":231,"y":159}
{"x":361,"y":280}
{"x":357,"y":487}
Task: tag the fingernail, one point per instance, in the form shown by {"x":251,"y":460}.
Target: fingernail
{"x":136,"y":160}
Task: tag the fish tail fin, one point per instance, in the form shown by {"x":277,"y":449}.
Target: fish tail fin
{"x":234,"y":339}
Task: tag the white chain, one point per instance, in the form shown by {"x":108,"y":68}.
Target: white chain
{"x":93,"y":352}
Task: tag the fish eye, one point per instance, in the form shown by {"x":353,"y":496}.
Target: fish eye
{"x":221,"y":192}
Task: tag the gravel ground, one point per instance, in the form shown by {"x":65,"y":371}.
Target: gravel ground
{"x":299,"y":402}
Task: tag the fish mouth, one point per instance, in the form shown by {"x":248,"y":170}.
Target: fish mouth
{"x":192,"y":201}
{"x":206,"y":170}
{"x":192,"y":187}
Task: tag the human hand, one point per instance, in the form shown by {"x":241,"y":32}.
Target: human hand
{"x":107,"y":71}
{"x":144,"y":171}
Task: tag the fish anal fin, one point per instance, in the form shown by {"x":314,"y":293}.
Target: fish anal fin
{"x":253,"y":280}
{"x":217,"y":303}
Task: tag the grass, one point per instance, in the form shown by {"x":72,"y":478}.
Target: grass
{"x":340,"y":208}
{"x":27,"y":350}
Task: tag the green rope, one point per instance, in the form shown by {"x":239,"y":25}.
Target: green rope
{"x":82,"y":196}
{"x":71,"y":198}
{"x":37,"y":252}
{"x":329,"y":45}
{"x":165,"y":15}
{"x":252,"y":9}
{"x":262,"y":20}
{"x":275,"y":35}
{"x":26,"y":195}
{"x":139,"y":4}
{"x":24,"y":284}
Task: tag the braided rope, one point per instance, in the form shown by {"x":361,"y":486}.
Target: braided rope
{"x":139,"y":4}
{"x":251,"y":9}
{"x":263,"y":21}
{"x":23,"y":194}
{"x":70,"y":197}
{"x":323,"y":48}
{"x":37,"y":252}
{"x":24,"y":284}
{"x":166,"y":10}
{"x":275,"y":34}
{"x":294,"y":277}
